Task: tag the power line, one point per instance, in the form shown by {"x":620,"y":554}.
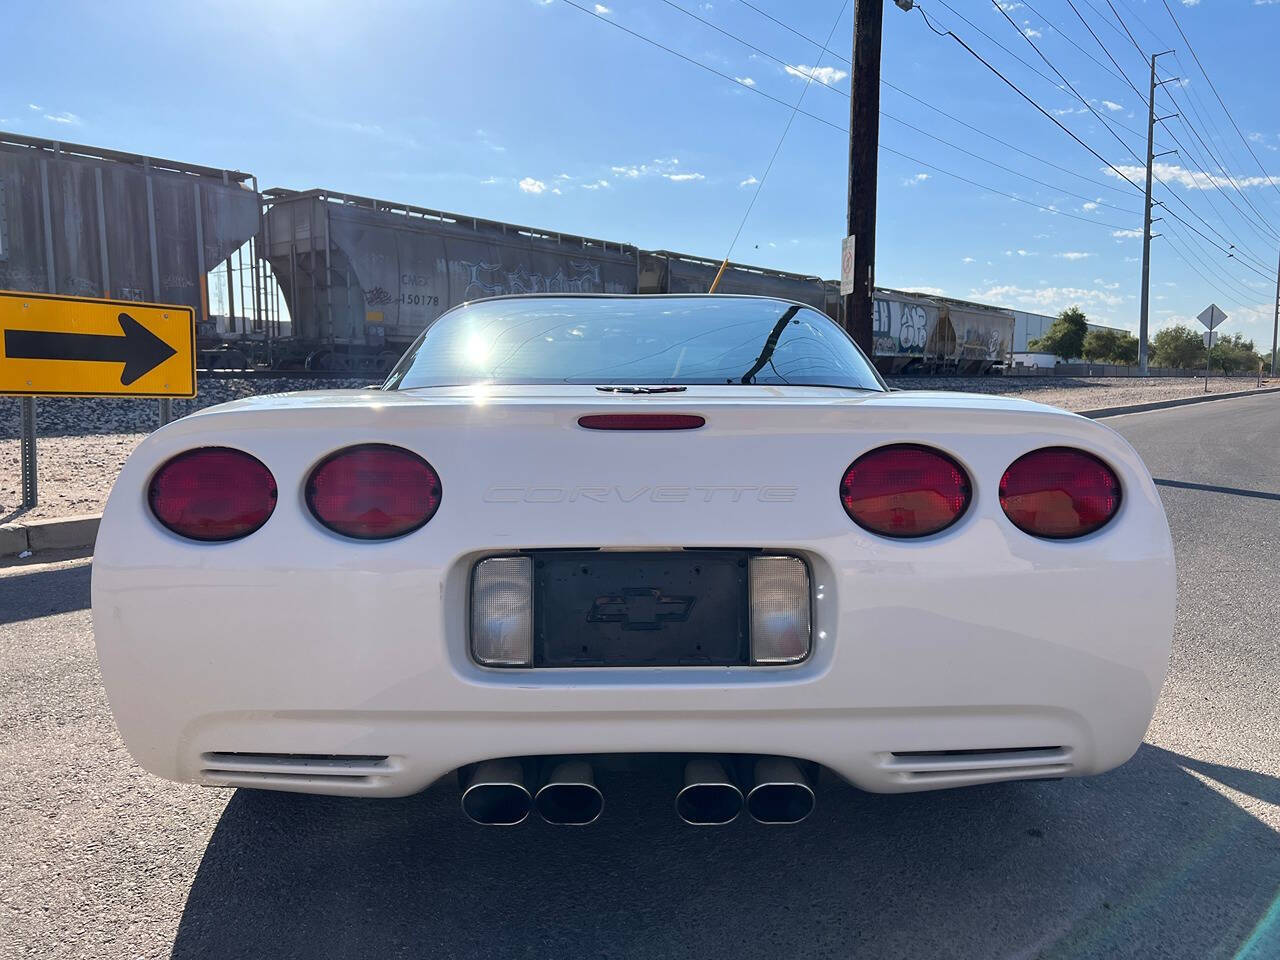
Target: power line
{"x":791,"y":29}
{"x":1003,"y":143}
{"x":778,"y":149}
{"x":1103,"y":121}
{"x":1141,"y":99}
{"x":990,"y":189}
{"x":703,"y":66}
{"x":1000,"y":166}
{"x":1018,"y":90}
{"x":791,"y":68}
{"x":836,"y":126}
{"x":1111,"y":166}
{"x":1192,"y":51}
{"x":1118,"y":73}
{"x":1056,"y":84}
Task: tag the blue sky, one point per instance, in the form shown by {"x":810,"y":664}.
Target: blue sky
{"x":535,"y":112}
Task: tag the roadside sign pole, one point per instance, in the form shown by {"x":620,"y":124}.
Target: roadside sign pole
{"x":166,"y":410}
{"x":1208,"y":361}
{"x":29,"y":492}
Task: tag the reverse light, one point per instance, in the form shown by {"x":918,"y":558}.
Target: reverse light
{"x":780,"y":630}
{"x":502,"y":612}
{"x":212,"y":494}
{"x":1059,"y":493}
{"x":905,"y":490}
{"x":373,"y":491}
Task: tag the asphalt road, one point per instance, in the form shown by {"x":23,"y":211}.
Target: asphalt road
{"x":1175,"y":854}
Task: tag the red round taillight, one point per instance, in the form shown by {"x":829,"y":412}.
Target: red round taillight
{"x":905,"y":490}
{"x":212,"y":494}
{"x":373,"y":491}
{"x":1059,"y":493}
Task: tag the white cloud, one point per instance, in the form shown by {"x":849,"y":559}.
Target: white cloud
{"x":487,"y":181}
{"x":967,"y":260}
{"x":64,"y":117}
{"x":631,"y":171}
{"x":1126,"y":233}
{"x":1191,"y":3}
{"x":683,"y":177}
{"x":1112,"y":105}
{"x":34,"y":106}
{"x":824,"y":75}
{"x":1089,"y":206}
{"x":1191,"y":179}
{"x":1073,"y":255}
{"x":750,"y":181}
{"x":530,"y":185}
{"x":915,"y":179}
{"x":1008,"y":7}
{"x":598,"y":185}
{"x":1054,"y":298}
{"x":1021,"y":253}
{"x":745,"y":81}
{"x":563,"y":176}
{"x":1032,"y":32}
{"x":602,"y":9}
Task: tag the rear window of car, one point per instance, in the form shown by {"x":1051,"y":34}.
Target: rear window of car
{"x":634,"y":340}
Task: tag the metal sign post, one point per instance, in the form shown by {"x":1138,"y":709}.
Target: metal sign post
{"x":28,"y":414}
{"x":1211,"y":316}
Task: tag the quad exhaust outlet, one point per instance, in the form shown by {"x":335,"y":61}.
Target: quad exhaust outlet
{"x":570,"y":796}
{"x":496,"y":795}
{"x":773,"y":790}
{"x":709,"y":796}
{"x":780,"y":793}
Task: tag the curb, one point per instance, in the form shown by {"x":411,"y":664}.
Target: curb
{"x":1180,"y":402}
{"x":63,"y":533}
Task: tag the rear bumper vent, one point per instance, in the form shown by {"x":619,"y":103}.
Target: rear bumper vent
{"x":940,"y":767}
{"x":278,"y":769}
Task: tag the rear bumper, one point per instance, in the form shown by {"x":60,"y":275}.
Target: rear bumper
{"x":321,"y":660}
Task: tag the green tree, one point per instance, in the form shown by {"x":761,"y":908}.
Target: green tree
{"x":1177,"y":346}
{"x":1235,"y":354}
{"x":1110,"y":346}
{"x":1065,"y":338}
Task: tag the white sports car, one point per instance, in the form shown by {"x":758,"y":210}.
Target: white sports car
{"x":577,"y":528}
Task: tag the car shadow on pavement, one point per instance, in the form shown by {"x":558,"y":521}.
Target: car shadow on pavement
{"x":1149,"y":859}
{"x":43,"y":592}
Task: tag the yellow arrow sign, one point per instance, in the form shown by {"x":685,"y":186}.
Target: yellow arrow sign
{"x":74,"y":347}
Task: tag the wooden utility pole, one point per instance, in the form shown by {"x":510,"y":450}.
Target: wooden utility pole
{"x":864,"y":140}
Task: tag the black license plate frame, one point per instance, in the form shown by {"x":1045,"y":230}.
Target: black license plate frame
{"x":673,"y":608}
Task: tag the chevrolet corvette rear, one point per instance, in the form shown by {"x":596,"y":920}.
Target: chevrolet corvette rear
{"x":751,"y":558}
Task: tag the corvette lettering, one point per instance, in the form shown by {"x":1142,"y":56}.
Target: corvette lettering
{"x":655,"y":493}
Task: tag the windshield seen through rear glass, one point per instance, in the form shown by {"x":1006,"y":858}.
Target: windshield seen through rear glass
{"x":627,"y":340}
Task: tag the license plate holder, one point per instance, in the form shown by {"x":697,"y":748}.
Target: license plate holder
{"x":668,"y":608}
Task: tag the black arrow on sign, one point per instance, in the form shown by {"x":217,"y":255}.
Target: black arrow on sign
{"x":140,"y":350}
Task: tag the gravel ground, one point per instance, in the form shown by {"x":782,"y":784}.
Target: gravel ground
{"x":83,"y":443}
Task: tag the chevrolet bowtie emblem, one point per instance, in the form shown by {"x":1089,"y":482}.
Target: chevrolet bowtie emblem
{"x":642,"y":608}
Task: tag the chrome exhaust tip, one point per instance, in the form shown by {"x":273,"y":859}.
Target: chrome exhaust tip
{"x":569,"y":796}
{"x":709,"y":797}
{"x":496,"y":795}
{"x":780,"y":792}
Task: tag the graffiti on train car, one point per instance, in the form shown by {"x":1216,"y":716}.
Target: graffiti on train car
{"x":491,"y":279}
{"x":901,"y":328}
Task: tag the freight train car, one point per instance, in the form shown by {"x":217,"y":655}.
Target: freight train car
{"x":91,"y":222}
{"x":363,"y":277}
{"x":913,"y":333}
